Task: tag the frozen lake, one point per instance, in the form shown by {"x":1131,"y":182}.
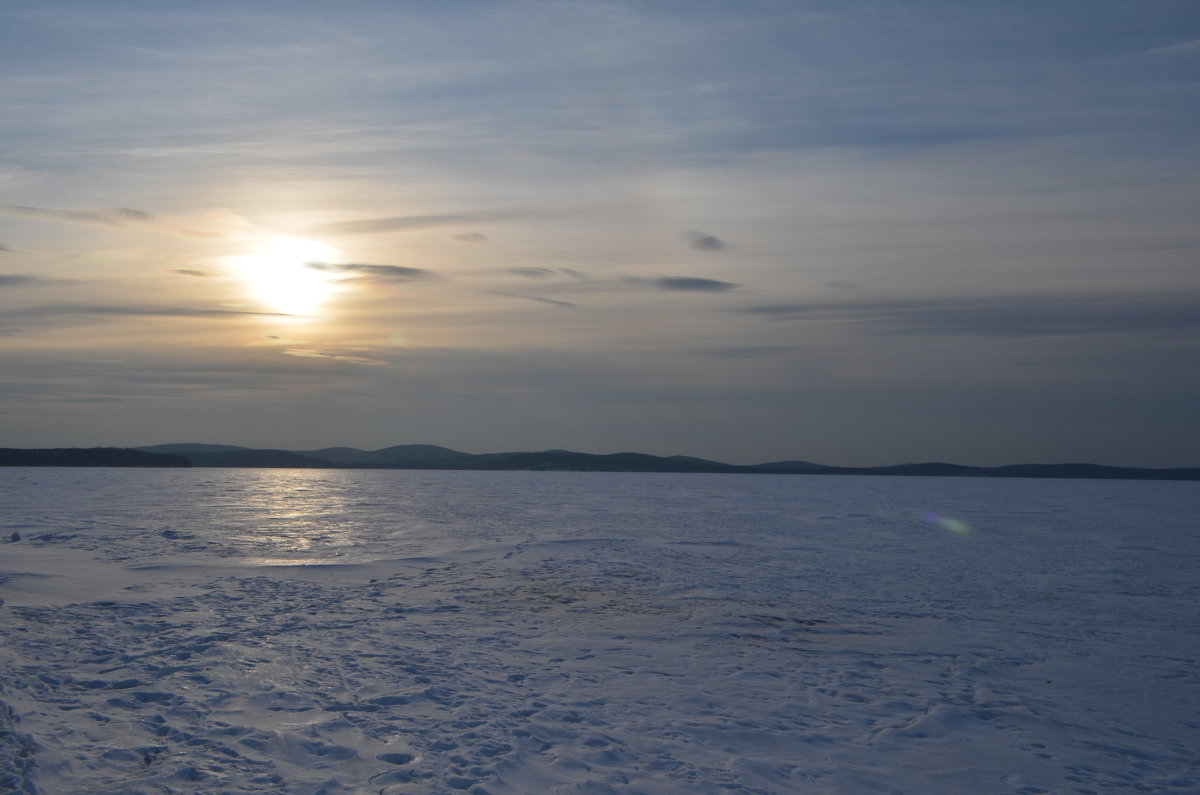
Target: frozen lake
{"x":306,"y":631}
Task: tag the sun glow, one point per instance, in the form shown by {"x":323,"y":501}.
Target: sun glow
{"x":281,"y":275}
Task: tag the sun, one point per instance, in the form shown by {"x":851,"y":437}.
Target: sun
{"x":280,"y":274}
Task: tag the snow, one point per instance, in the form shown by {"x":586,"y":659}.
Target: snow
{"x":309,"y":631}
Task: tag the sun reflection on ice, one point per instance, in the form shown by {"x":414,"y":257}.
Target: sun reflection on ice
{"x":299,"y":520}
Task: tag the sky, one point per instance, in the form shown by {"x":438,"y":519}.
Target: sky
{"x":851,"y":232}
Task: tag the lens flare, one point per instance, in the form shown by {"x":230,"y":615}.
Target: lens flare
{"x":956,"y":526}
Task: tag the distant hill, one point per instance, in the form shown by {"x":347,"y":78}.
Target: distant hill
{"x":88,"y":457}
{"x":401,"y":454}
{"x":183,"y":449}
{"x":931,"y":469}
{"x":566,"y":460}
{"x":1095,"y":471}
{"x":266,"y":459}
{"x":1069,"y":471}
{"x":696,"y":461}
{"x":430,"y":456}
{"x":793,"y":466}
{"x":337,"y":455}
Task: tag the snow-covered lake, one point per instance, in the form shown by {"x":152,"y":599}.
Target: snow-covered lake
{"x":308,"y":631}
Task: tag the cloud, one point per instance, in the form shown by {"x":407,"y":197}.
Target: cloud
{"x":842,"y":284}
{"x":117,"y":216}
{"x":7,"y":250}
{"x":782,"y":310}
{"x":689,"y":284}
{"x":745,"y":351}
{"x":705,"y":242}
{"x":350,"y":393}
{"x":163,"y":372}
{"x":542,"y":273}
{"x":375,"y":273}
{"x":59,"y":310}
{"x":69,"y":216}
{"x":550,"y":301}
{"x":334,"y":354}
{"x":1006,"y":316}
{"x":98,"y":399}
{"x":274,"y":340}
{"x":136,"y":216}
{"x":538,"y":298}
{"x":17,"y":279}
{"x":372,"y":226}
{"x":183,"y":312}
{"x":1182,"y":47}
{"x":533,"y":273}
{"x":192,"y":272}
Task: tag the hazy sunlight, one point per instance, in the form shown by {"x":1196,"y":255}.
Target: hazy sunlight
{"x":279,"y":274}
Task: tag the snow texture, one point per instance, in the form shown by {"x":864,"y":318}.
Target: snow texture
{"x":301,"y":631}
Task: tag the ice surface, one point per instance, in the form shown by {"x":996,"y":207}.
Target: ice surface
{"x":307,"y":631}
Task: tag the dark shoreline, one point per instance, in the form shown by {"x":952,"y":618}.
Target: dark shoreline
{"x":547,"y":461}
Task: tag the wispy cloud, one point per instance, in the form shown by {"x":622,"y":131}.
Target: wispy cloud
{"x":334,"y":354}
{"x":116,"y":216}
{"x":687,"y":284}
{"x":843,"y":284}
{"x":129,"y":215}
{"x":702,"y":241}
{"x":192,"y":272}
{"x":370,"y":226}
{"x":545,"y":273}
{"x":159,"y":372}
{"x":539,"y":299}
{"x":95,"y":399}
{"x":183,"y":312}
{"x":745,"y":351}
{"x":1035,"y":315}
{"x":60,"y":310}
{"x":1182,"y":47}
{"x":533,"y":273}
{"x":375,"y":273}
{"x":17,"y":279}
